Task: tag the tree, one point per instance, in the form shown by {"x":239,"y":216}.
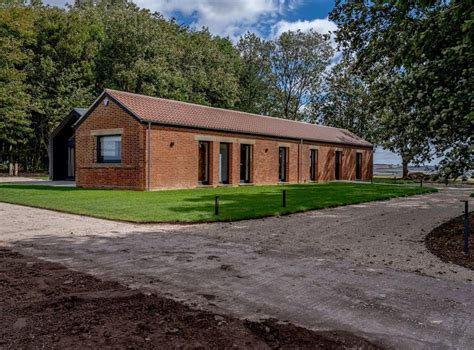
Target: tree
{"x":398,"y":126}
{"x":62,"y":73}
{"x":101,"y":3}
{"x":256,"y":77}
{"x":144,"y":53}
{"x":130,"y":57}
{"x":16,"y":35}
{"x":381,"y":112}
{"x":344,"y":102}
{"x":298,"y":61}
{"x":9,"y":3}
{"x":209,"y":69}
{"x":427,"y":48}
{"x":54,"y":59}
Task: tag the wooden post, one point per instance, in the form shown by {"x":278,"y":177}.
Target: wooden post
{"x":467,"y":228}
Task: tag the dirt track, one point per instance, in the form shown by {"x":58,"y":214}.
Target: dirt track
{"x":45,"y":305}
{"x":361,"y":268}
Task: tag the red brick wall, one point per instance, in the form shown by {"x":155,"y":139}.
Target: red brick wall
{"x":174,"y":160}
{"x":130,"y":172}
{"x":234,"y":166}
{"x":174,"y":155}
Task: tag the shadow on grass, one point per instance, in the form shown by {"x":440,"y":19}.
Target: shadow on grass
{"x":300,"y":198}
{"x":197,"y":205}
{"x":40,"y":187}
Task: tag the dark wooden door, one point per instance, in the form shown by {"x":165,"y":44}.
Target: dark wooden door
{"x":313,"y":165}
{"x":338,"y":165}
{"x":224,"y":163}
{"x":358,"y":166}
{"x":245,"y":163}
{"x":203,"y":163}
{"x":282,"y":166}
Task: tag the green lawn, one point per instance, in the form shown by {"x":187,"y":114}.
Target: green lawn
{"x":198,"y":204}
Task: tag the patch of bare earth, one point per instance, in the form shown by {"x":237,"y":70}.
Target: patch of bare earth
{"x":447,"y":242}
{"x":45,"y":305}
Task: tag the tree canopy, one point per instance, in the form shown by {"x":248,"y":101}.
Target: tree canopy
{"x":405,"y":80}
{"x":16,"y":38}
{"x":52,"y":60}
{"x":416,"y":58}
{"x":344,"y":101}
{"x":57,"y":59}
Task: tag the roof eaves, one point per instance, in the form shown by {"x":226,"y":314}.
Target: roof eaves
{"x":124,"y":106}
{"x":96,"y":103}
{"x":61,"y":125}
{"x":89,"y":110}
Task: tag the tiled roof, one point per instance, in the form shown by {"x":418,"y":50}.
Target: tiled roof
{"x":170,"y":112}
{"x":73,"y":116}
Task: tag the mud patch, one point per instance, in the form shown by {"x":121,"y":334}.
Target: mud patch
{"x":287,"y":336}
{"x":45,"y":305}
{"x":447,"y":242}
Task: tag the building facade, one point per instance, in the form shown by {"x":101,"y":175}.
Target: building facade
{"x":137,"y":142}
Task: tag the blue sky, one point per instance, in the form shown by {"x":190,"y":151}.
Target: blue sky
{"x":232,"y":18}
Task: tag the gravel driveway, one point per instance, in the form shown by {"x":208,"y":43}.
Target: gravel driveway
{"x":362,"y":268}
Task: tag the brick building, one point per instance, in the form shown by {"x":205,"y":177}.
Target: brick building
{"x":139,"y":142}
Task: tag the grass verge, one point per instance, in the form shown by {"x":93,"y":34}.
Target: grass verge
{"x":197,"y":205}
{"x":394,"y":180}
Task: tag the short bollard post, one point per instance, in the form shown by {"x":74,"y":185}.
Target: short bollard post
{"x":421,"y":182}
{"x":467,"y":228}
{"x":284,"y":199}
{"x":216,"y":205}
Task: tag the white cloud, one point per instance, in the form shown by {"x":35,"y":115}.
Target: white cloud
{"x":323,"y":26}
{"x":224,"y":17}
{"x":232,"y":17}
{"x":294,"y":4}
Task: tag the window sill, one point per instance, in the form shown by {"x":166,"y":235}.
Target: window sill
{"x":108,"y":165}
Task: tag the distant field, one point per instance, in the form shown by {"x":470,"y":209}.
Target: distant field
{"x":393,"y":180}
{"x":398,"y":180}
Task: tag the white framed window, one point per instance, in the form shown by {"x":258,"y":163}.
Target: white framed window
{"x":109,"y":149}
